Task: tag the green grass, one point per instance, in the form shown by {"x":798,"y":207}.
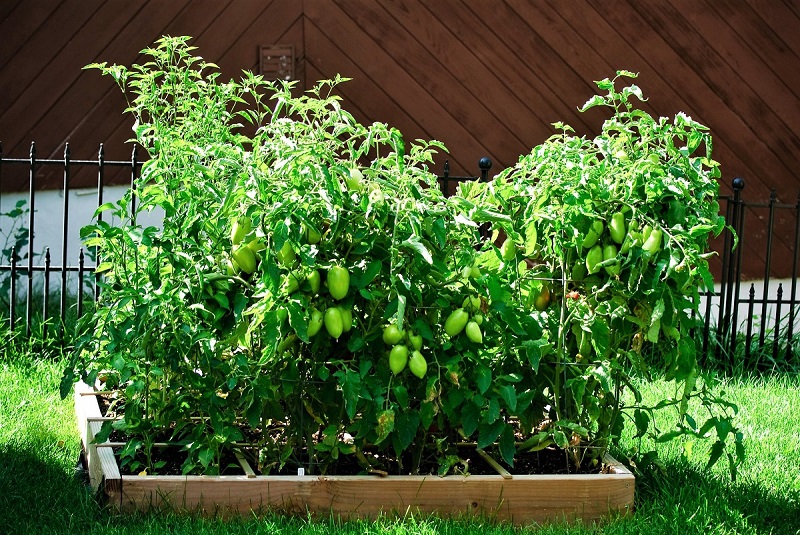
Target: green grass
{"x":39,"y":492}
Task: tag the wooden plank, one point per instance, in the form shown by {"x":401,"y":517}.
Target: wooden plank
{"x":402,"y":88}
{"x":535,"y":52}
{"x":783,"y":19}
{"x":100,"y":461}
{"x":8,"y":7}
{"x":43,"y":53}
{"x":521,"y":500}
{"x":364,"y":98}
{"x":724,"y":81}
{"x":755,"y":42}
{"x":20,"y":23}
{"x":456,"y":105}
{"x":439,"y":36}
{"x":41,"y":94}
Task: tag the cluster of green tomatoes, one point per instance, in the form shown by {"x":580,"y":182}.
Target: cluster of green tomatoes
{"x":406,"y":350}
{"x":605,"y":249}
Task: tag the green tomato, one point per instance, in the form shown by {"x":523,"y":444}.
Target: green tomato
{"x":291,"y":281}
{"x":578,"y":271}
{"x":241,"y":226}
{"x":338,"y":282}
{"x":256,"y":245}
{"x":456,"y":322}
{"x":616,"y":227}
{"x":312,"y":236}
{"x":286,"y":255}
{"x":392,"y":334}
{"x":334,"y":323}
{"x":474,"y":332}
{"x":315,"y":323}
{"x":417,"y":364}
{"x":245,"y":259}
{"x":542,"y":300}
{"x":593,"y":234}
{"x":398,"y":357}
{"x":354,"y":179}
{"x":314,"y":280}
{"x":653,"y":242}
{"x":478,"y":318}
{"x":347,"y":319}
{"x":594,"y":257}
{"x":415,"y":340}
{"x":508,"y":251}
{"x":610,"y":252}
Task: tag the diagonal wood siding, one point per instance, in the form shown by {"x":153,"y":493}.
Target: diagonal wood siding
{"x":485,"y":77}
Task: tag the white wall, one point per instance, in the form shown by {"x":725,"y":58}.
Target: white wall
{"x":49,"y":220}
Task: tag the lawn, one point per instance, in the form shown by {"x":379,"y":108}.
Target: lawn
{"x":39,"y":492}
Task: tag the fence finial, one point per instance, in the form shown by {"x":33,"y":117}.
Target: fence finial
{"x":484,"y":164}
{"x":738,"y":184}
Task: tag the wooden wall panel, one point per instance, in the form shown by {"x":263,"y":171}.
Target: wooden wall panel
{"x":486,"y":78}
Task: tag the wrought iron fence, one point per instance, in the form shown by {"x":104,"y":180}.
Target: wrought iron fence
{"x":737,"y":316}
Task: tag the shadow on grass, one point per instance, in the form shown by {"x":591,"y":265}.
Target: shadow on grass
{"x":42,"y":496}
{"x":704,"y":500}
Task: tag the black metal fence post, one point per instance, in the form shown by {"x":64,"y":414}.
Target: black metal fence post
{"x":32,"y":211}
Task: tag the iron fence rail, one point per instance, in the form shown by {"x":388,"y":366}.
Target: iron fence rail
{"x":731,"y":319}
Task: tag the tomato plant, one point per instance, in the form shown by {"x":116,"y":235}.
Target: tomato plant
{"x":624,"y":300}
{"x":306,"y":261}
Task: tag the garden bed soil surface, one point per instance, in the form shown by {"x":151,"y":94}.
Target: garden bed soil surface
{"x":541,"y":486}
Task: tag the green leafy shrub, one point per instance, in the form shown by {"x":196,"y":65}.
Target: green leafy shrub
{"x":311,"y":290}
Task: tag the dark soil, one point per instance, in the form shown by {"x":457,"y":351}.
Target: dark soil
{"x":467,"y":460}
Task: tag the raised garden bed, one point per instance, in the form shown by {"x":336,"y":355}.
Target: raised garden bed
{"x":507,"y":497}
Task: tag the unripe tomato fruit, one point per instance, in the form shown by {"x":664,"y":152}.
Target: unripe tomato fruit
{"x":542,"y":300}
{"x":594,"y":257}
{"x":334,"y":322}
{"x":257,"y":245}
{"x":240,"y":229}
{"x":347,"y":319}
{"x":314,"y":280}
{"x":315,"y":323}
{"x":508,"y":250}
{"x":338,"y":282}
{"x":354,"y":180}
{"x":609,"y":252}
{"x":312,"y":236}
{"x":392,"y":334}
{"x":593,"y":234}
{"x":398,"y":358}
{"x":415,"y":340}
{"x":417,"y":364}
{"x":245,"y":259}
{"x":653,"y":242}
{"x":456,"y":322}
{"x":286,"y":255}
{"x":474,"y":332}
{"x":616,"y":227}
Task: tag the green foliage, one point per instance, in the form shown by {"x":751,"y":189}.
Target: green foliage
{"x":616,"y":228}
{"x":293,"y":259}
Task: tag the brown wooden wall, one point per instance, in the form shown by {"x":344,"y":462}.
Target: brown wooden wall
{"x":486,"y":77}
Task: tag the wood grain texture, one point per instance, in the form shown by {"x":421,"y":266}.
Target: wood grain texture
{"x":519,"y":499}
{"x":486,"y":78}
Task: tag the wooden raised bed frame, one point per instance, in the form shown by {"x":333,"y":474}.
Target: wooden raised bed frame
{"x":519,"y":499}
